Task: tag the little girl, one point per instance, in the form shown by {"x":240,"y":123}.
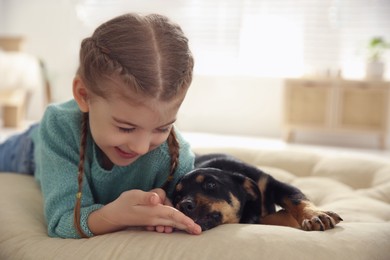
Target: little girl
{"x":102,"y":158}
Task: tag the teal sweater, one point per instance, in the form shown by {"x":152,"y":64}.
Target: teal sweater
{"x":57,"y":145}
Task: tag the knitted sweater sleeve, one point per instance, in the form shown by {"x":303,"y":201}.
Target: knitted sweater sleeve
{"x":56,"y":157}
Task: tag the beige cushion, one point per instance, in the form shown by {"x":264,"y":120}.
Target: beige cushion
{"x":357,"y":189}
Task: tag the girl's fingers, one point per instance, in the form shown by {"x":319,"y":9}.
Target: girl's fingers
{"x":160,"y":229}
{"x":168,"y":229}
{"x":148,"y":208}
{"x":150,"y":228}
{"x":168,"y":217}
{"x":139,"y":197}
{"x":161,"y":193}
{"x":168,"y":202}
{"x":155,"y":196}
{"x":173,"y":218}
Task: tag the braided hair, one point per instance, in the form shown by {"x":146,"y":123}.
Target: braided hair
{"x":80,"y":174}
{"x":150,"y":55}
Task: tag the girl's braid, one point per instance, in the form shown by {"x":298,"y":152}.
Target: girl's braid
{"x":173,"y":146}
{"x":83,"y":144}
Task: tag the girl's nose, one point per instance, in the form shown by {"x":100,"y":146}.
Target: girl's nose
{"x":140,"y":144}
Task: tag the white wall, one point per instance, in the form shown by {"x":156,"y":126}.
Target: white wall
{"x":233,"y":105}
{"x":251,"y":106}
{"x":2,"y":20}
{"x":52,"y":32}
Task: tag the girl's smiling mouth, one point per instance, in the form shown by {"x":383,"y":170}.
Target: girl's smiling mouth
{"x":124,"y":154}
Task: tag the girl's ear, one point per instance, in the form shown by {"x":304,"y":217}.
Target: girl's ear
{"x":80,"y":94}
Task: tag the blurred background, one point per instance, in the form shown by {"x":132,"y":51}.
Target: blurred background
{"x":244,"y":51}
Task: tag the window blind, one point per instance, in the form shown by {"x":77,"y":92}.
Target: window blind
{"x":275,"y":38}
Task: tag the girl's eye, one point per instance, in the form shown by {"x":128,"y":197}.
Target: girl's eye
{"x":126,"y":130}
{"x":164,"y":130}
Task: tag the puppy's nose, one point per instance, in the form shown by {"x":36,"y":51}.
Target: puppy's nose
{"x":187,"y":206}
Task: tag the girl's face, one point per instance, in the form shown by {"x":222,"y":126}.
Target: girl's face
{"x":126,"y":128}
{"x":124,"y":131}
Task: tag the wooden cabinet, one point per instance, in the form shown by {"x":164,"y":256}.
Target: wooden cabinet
{"x":336,"y":105}
{"x":13,"y":105}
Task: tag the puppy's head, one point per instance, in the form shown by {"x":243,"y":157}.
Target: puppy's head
{"x":212,"y":197}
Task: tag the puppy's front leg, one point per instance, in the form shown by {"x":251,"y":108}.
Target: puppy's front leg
{"x":308,"y":216}
{"x":280,"y":218}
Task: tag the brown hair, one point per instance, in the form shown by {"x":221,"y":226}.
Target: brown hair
{"x":150,"y":55}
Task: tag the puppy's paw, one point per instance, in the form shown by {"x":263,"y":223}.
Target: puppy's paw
{"x":320,"y":220}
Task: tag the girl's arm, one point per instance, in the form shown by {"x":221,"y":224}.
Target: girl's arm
{"x":57,"y":157}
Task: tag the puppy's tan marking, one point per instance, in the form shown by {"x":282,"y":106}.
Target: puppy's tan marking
{"x":248,"y":186}
{"x":300,"y":211}
{"x":262,"y":184}
{"x":179,"y":187}
{"x":199,"y":179}
{"x":228,"y":211}
{"x":280,"y":218}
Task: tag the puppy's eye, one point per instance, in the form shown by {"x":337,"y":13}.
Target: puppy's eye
{"x":210,"y":185}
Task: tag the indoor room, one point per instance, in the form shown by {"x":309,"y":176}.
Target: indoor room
{"x":299,"y":89}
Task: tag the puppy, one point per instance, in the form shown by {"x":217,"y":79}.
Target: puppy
{"x":222,"y":189}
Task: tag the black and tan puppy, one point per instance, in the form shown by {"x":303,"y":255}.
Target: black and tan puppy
{"x":223,"y":190}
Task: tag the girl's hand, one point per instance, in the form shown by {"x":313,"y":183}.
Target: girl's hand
{"x":165,"y":201}
{"x":139,"y":208}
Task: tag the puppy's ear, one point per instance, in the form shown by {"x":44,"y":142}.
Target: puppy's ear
{"x":252,"y":202}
